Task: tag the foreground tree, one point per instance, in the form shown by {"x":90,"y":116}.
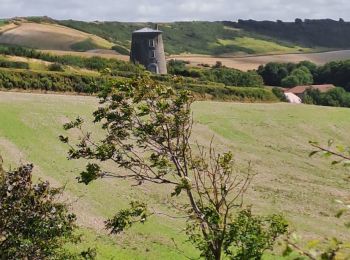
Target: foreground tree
{"x":148,"y":131}
{"x":33,"y":225}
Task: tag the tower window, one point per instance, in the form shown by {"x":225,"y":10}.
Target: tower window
{"x":151,"y":43}
{"x":152,"y":54}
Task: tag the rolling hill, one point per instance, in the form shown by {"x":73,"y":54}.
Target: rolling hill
{"x":243,"y":45}
{"x":274,"y":137}
{"x":208,"y":38}
{"x":51,"y":37}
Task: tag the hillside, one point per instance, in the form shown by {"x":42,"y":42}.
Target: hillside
{"x":50,"y":37}
{"x":212,"y":38}
{"x":323,"y":33}
{"x":274,"y":137}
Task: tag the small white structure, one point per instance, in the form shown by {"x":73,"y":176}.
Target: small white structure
{"x":292,"y":98}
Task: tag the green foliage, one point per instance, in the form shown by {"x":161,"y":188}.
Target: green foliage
{"x":85,"y":45}
{"x":233,"y":77}
{"x":147,"y":129}
{"x":302,"y":75}
{"x":121,"y":50}
{"x":273,"y":73}
{"x":218,"y":74}
{"x":336,"y":72}
{"x":56,"y":67}
{"x":336,"y":97}
{"x":212,"y":38}
{"x":323,"y":32}
{"x":33,"y":224}
{"x":13,"y":64}
{"x":242,"y":94}
{"x":287,"y":74}
{"x":305,"y":72}
{"x":93,"y":63}
{"x":290,"y":81}
{"x":49,"y":81}
{"x":278,"y":92}
{"x":250,"y":236}
{"x":137,"y":213}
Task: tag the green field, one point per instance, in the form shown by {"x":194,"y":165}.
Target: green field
{"x":274,"y":137}
{"x":258,"y":46}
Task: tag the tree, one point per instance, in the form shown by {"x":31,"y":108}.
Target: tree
{"x":278,"y":92}
{"x":290,"y":81}
{"x":273,"y":73}
{"x":148,"y":134}
{"x":33,"y":225}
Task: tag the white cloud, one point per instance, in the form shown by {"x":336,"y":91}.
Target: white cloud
{"x":171,"y":10}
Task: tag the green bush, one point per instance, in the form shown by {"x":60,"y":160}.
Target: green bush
{"x":336,"y":97}
{"x":93,"y":63}
{"x":49,"y":81}
{"x":56,"y":67}
{"x":13,"y":64}
{"x":121,"y":50}
{"x":278,"y":92}
{"x":228,"y":93}
{"x":85,"y":45}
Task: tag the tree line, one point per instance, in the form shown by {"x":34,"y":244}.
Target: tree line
{"x":310,"y":33}
{"x":93,"y":63}
{"x":90,"y":84}
{"x":306,"y":73}
{"x":217,"y":73}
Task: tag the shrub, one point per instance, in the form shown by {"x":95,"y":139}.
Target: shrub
{"x":56,"y":67}
{"x":278,"y":92}
{"x":50,"y":81}
{"x":121,"y":50}
{"x":33,"y":224}
{"x":13,"y":64}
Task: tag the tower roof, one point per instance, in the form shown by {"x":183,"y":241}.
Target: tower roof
{"x":147,"y":30}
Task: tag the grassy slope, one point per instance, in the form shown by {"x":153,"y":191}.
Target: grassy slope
{"x":274,"y":137}
{"x":186,"y":37}
{"x":52,"y":36}
{"x":263,"y":46}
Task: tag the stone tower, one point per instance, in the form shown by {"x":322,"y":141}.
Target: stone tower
{"x":147,"y":48}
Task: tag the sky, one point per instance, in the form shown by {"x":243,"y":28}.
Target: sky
{"x":177,"y":10}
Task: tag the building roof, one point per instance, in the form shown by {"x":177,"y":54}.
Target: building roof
{"x":302,"y":89}
{"x":147,"y":30}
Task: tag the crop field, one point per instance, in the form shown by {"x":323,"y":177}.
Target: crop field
{"x":50,"y":36}
{"x":246,"y":63}
{"x":273,"y":137}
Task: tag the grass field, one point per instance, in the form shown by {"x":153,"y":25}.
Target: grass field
{"x":252,"y":62}
{"x":259,"y":46}
{"x":51,"y":36}
{"x":274,"y":137}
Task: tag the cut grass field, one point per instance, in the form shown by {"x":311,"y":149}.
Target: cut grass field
{"x":259,"y":46}
{"x":52,"y":37}
{"x":252,"y":62}
{"x":274,"y":137}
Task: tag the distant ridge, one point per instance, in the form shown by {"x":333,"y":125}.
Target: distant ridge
{"x":244,"y":37}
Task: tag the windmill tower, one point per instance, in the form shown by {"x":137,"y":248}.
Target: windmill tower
{"x":147,"y":48}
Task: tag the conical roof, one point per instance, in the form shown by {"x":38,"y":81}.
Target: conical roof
{"x":147,"y":30}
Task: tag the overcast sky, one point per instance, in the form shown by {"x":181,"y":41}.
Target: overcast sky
{"x":176,"y":10}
